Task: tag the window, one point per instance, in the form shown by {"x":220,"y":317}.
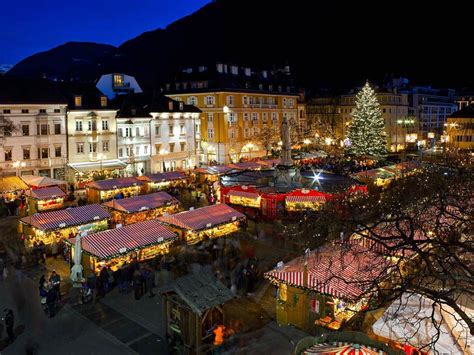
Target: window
{"x":255,"y":131}
{"x":232,"y":117}
{"x":57,"y":110}
{"x":284,"y":101}
{"x":80,"y":148}
{"x":43,"y":129}
{"x":6,"y":111}
{"x":103,"y":101}
{"x":158,"y":148}
{"x":192,"y":100}
{"x":42,"y":111}
{"x":246,"y":132}
{"x":120,"y":132}
{"x":92,"y":125}
{"x":275,"y":117}
{"x":158,"y":131}
{"x":44,"y":153}
{"x":105,"y":125}
{"x":78,"y":101}
{"x":210,"y":117}
{"x":182,"y":131}
{"x":120,"y":152}
{"x":137,"y":150}
{"x":146,"y":131}
{"x":246,"y":116}
{"x":25,"y":129}
{"x":127,"y":151}
{"x":210,"y":133}
{"x":8,"y":154}
{"x":128,"y":132}
{"x":171,"y":130}
{"x":291,"y":102}
{"x":171,"y":147}
{"x":137,"y":131}
{"x":231,"y":133}
{"x":105,"y":146}
{"x":384,"y":110}
{"x":245,"y":100}
{"x":230,"y":100}
{"x":78,"y":126}
{"x":209,"y":100}
{"x":25,"y":111}
{"x":264,"y":117}
{"x":26,"y":153}
{"x":183,"y":146}
{"x":118,"y":80}
{"x":145,"y":149}
{"x":93,"y":147}
{"x":57,"y":152}
{"x":57,"y":128}
{"x":254,"y":117}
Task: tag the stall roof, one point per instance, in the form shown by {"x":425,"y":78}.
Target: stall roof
{"x":143,"y":202}
{"x":340,"y":348}
{"x":201,"y":291}
{"x":203,"y":218}
{"x":122,"y":240}
{"x":12,"y":183}
{"x":333,"y":270}
{"x":98,"y":165}
{"x":46,"y":193}
{"x":168,"y":176}
{"x":69,"y":217}
{"x":241,"y":193}
{"x":247,"y":165}
{"x":41,"y":181}
{"x":112,"y":184}
{"x":296,"y":199}
{"x":269,"y":162}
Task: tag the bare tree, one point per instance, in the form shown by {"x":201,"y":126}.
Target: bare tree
{"x":268,"y":138}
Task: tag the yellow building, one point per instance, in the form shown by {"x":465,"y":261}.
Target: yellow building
{"x":460,"y":129}
{"x":237,"y":109}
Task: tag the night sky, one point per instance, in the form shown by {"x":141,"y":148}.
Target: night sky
{"x":31,"y":26}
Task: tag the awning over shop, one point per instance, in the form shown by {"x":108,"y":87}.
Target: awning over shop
{"x":97,"y":165}
{"x":66,"y":218}
{"x":203,"y":218}
{"x":142,"y":203}
{"x":112,"y":184}
{"x":114,"y":242}
{"x":163,"y":177}
{"x":248,"y":165}
{"x":46,"y":193}
{"x":41,"y":181}
{"x":11,"y":184}
{"x":340,"y":348}
{"x":269,"y":162}
{"x":246,"y":194}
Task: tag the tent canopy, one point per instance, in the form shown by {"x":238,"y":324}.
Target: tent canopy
{"x":112,"y":164}
{"x":11,"y":184}
{"x":41,"y":181}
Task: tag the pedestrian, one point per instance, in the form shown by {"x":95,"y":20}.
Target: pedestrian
{"x":9,"y":320}
{"x":111,"y":277}
{"x":54,"y":249}
{"x":137,"y":284}
{"x":104,"y":280}
{"x":51,"y":299}
{"x":55,"y":281}
{"x":91,"y":284}
{"x":150,"y":275}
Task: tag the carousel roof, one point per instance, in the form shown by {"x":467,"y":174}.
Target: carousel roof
{"x":114,"y":183}
{"x":141,"y":203}
{"x":204,"y":217}
{"x":12,"y":183}
{"x":41,"y":181}
{"x":46,"y":193}
{"x":66,"y":218}
{"x":125,"y":239}
{"x":167,"y":176}
{"x":201,"y":291}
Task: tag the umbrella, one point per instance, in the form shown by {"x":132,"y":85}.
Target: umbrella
{"x":76,"y":270}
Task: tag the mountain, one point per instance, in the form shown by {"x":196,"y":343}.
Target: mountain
{"x":72,"y":60}
{"x":327,"y":44}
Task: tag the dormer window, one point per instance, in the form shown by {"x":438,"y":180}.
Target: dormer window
{"x":78,"y":101}
{"x":103,"y":101}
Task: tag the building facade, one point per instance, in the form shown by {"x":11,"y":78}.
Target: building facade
{"x":32,"y":129}
{"x":238,"y":106}
{"x":459,"y":129}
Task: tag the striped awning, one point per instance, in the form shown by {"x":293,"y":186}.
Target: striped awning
{"x":247,"y":165}
{"x":163,"y":177}
{"x":112,"y":184}
{"x":126,"y":239}
{"x":12,"y":183}
{"x":142,"y":203}
{"x":342,"y":348}
{"x":246,"y":194}
{"x":296,"y":199}
{"x":69,"y":217}
{"x":112,"y":164}
{"x":203,"y":218}
{"x":46,"y":193}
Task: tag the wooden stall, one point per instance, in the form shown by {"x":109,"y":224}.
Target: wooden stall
{"x":163,"y":181}
{"x":10,"y":186}
{"x":52,"y":226}
{"x":305,"y":199}
{"x":40,"y":182}
{"x":142,"y":208}
{"x":105,"y":190}
{"x":140,"y":241}
{"x":193,"y":306}
{"x":212,"y":221}
{"x":45,"y":199}
{"x":246,"y":196}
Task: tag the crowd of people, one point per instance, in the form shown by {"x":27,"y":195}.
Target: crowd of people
{"x":12,"y":204}
{"x":50,"y":293}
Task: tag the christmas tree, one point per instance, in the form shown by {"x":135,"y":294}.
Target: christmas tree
{"x":366,"y":132}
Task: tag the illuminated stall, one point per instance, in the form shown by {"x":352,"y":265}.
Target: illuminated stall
{"x":10,"y":186}
{"x":142,"y":208}
{"x":40,"y":182}
{"x":53,"y":226}
{"x":305,"y":199}
{"x":140,"y":241}
{"x":246,"y":196}
{"x":327,"y":287}
{"x":104,"y":190}
{"x":45,"y":199}
{"x":162,"y":181}
{"x":207,"y":222}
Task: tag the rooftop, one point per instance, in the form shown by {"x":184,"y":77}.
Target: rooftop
{"x":141,"y":203}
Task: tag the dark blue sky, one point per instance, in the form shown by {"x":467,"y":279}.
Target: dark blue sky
{"x":31,"y":26}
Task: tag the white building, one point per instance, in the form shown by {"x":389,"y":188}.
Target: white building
{"x":33,"y":128}
{"x":112,"y":85}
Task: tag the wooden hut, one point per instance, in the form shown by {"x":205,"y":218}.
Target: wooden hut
{"x":194,"y":305}
{"x":45,"y":199}
{"x":162,"y":181}
{"x":105,"y":190}
{"x":11,"y":185}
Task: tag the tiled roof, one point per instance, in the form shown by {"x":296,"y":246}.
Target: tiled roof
{"x":69,"y":217}
{"x":204,"y":217}
{"x":122,"y":240}
{"x":114,"y":183}
{"x":143,"y":202}
{"x":46,"y":193}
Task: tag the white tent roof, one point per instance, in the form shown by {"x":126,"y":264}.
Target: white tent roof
{"x":41,"y":181}
{"x":409,"y":321}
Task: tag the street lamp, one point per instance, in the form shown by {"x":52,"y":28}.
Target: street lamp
{"x":163,"y":152}
{"x":17,"y":165}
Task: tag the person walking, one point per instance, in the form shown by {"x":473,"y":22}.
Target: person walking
{"x":137,"y":284}
{"x":104,"y":278}
{"x":91,"y":284}
{"x":55,"y":281}
{"x":51,"y":299}
{"x":9,"y":320}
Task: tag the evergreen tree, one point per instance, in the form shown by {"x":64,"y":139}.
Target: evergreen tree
{"x":366,"y":132}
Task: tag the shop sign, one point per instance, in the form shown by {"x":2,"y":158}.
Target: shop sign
{"x":234,"y":218}
{"x":62,"y":225}
{"x":209,"y":225}
{"x":122,"y":250}
{"x":161,"y":239}
{"x":96,"y":218}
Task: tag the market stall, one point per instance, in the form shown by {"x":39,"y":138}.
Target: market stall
{"x":211,"y":221}
{"x":45,"y":199}
{"x":305,"y":199}
{"x":141,"y":208}
{"x":105,"y":190}
{"x":39,"y":182}
{"x":247,"y":165}
{"x":53,"y":226}
{"x":140,"y":241}
{"x":11,"y":186}
{"x":212,"y":173}
{"x":194,"y":309}
{"x":85,"y":172}
{"x":156,"y":182}
{"x":246,"y":196}
{"x":326,"y":287}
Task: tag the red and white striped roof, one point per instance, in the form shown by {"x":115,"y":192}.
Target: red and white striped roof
{"x":203,"y":218}
{"x":112,"y":184}
{"x":69,"y":217}
{"x":123,"y":240}
{"x":334,"y":271}
{"x":340,"y":348}
{"x":141,"y":203}
{"x":163,"y":177}
{"x":46,"y":193}
{"x":305,"y":199}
